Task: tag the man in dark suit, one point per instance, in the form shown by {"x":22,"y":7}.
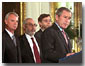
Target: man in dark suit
{"x":27,"y":44}
{"x":10,"y":43}
{"x":55,"y":42}
{"x":44,"y":21}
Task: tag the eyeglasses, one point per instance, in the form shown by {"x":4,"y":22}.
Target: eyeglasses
{"x":46,"y":20}
{"x":31,"y":25}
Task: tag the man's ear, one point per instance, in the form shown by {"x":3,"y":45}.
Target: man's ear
{"x":24,"y":26}
{"x":5,"y":21}
{"x":40,"y":24}
{"x":57,"y":17}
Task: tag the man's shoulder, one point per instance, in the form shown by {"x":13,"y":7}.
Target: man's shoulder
{"x":38,"y":32}
{"x":49,"y":29}
{"x":4,"y":34}
{"x":22,"y":36}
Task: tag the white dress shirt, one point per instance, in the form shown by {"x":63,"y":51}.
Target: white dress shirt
{"x":31,"y":44}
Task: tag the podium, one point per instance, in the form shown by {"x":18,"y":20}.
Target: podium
{"x":76,"y":58}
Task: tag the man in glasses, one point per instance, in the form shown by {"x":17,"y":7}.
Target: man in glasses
{"x":44,"y":21}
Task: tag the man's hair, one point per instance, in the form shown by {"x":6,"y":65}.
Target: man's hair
{"x":42,"y":16}
{"x":25,"y":21}
{"x":60,"y":10}
{"x":8,"y":14}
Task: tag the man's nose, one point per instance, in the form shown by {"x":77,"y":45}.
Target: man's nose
{"x":67,"y":20}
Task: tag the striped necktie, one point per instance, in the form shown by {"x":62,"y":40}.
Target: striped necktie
{"x":36,"y":53}
{"x":64,"y":34}
{"x":14,"y":39}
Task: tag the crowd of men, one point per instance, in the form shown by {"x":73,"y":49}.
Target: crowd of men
{"x":47,"y":45}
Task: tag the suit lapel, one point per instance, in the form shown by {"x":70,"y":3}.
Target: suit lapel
{"x":69,"y":43}
{"x":9,"y":39}
{"x":27,"y":45}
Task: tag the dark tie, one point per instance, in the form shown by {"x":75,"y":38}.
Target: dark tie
{"x":64,"y":34}
{"x":14,"y":39}
{"x":37,"y":56}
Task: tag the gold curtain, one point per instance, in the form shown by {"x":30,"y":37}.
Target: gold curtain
{"x":22,"y":16}
{"x":77,"y":21}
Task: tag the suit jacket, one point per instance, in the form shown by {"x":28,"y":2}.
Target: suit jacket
{"x":10,"y":52}
{"x":75,"y":58}
{"x":38,"y":36}
{"x":27,"y":55}
{"x":54,"y":45}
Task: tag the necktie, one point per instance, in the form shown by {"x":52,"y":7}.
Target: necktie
{"x":64,"y":34}
{"x":14,"y":39}
{"x":36,"y":53}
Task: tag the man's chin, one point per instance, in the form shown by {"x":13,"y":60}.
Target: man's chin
{"x":13,"y":29}
{"x":31,"y":34}
{"x":64,"y":27}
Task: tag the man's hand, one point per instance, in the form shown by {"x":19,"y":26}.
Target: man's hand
{"x":69,"y":54}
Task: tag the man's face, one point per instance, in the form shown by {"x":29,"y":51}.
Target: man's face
{"x":64,"y":19}
{"x":46,"y":22}
{"x":12,"y":22}
{"x":30,"y":27}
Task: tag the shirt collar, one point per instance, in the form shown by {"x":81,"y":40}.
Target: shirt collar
{"x":29,"y":35}
{"x":10,"y":34}
{"x":42,"y":30}
{"x":59,"y":26}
